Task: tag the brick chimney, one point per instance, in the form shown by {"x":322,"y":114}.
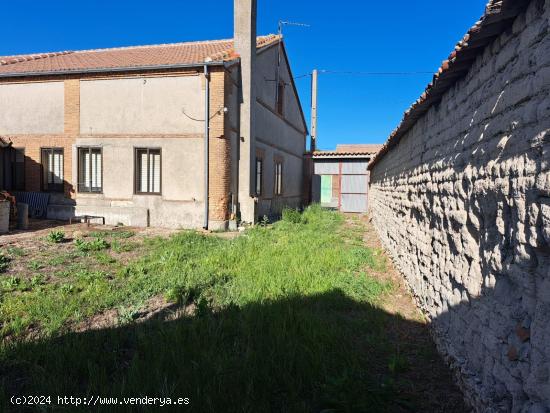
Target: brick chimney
{"x":245,"y":45}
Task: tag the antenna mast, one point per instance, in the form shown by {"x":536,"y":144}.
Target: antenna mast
{"x":280,"y":33}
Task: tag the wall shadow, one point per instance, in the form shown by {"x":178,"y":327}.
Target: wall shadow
{"x":323,"y":353}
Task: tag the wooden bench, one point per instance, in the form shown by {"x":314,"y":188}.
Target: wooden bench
{"x":86,"y":219}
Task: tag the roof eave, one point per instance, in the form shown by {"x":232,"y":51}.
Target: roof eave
{"x":112,"y":69}
{"x":342,"y":156}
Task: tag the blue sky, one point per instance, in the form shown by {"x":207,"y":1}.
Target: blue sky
{"x":367,"y":35}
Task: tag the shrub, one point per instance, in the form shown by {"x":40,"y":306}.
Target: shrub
{"x":56,"y":237}
{"x":97,"y":244}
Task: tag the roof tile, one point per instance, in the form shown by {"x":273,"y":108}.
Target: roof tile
{"x":126,"y":57}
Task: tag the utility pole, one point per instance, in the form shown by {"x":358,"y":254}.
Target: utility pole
{"x":313,"y":110}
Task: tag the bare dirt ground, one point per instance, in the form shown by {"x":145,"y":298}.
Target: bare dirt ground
{"x":34,"y":254}
{"x":427,"y":373}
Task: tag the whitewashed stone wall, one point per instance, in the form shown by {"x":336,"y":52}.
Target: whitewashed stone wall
{"x":463,"y":206}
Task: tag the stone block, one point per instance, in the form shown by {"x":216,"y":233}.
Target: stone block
{"x":545,"y":212}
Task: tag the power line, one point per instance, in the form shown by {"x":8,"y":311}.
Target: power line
{"x":359,"y":73}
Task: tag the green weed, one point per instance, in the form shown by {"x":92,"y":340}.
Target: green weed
{"x":97,"y":244}
{"x":10,"y":283}
{"x":16,"y":252}
{"x":56,"y":237}
{"x":292,"y":215}
{"x":4,"y":262}
{"x":35,"y":265}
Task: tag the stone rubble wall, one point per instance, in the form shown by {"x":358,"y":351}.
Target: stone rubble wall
{"x":462,"y":204}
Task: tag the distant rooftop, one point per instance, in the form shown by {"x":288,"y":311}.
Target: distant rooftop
{"x":350,"y":151}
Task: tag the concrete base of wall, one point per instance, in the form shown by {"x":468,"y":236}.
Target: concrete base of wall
{"x":218,"y":225}
{"x":132,"y":216}
{"x":143,"y":211}
{"x":60,"y":212}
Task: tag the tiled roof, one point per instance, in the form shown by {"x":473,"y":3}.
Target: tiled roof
{"x":358,"y":150}
{"x":499,"y":15}
{"x":133,"y":57}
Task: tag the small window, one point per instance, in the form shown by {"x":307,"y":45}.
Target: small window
{"x":148,"y":171}
{"x":278,"y":178}
{"x":259,"y":176}
{"x":52,"y":167}
{"x":18,"y":169}
{"x":280,"y":97}
{"x":90,"y":170}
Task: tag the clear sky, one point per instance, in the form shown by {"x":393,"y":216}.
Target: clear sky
{"x":345,"y":35}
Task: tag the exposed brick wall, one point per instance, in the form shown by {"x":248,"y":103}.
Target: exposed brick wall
{"x":220,"y":150}
{"x":462,"y":203}
{"x":72,"y":107}
{"x":33,"y":171}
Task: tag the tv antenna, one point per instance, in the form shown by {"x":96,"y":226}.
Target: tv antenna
{"x":281,"y":25}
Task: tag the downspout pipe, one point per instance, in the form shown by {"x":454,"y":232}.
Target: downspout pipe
{"x":206,"y":143}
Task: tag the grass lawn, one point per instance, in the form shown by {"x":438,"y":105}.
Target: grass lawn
{"x":284,"y":318}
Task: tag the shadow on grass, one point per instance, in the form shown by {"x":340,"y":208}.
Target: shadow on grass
{"x":324,"y":353}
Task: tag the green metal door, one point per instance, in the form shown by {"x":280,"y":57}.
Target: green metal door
{"x":326,"y":189}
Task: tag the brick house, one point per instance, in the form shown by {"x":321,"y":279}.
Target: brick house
{"x":122,"y":133}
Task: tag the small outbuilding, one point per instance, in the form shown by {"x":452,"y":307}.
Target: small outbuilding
{"x":341,"y":179}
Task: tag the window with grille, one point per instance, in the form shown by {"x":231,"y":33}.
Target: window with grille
{"x":52,"y":167}
{"x":148,"y":171}
{"x":278,"y":178}
{"x":90,"y":170}
{"x":259,"y":176}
